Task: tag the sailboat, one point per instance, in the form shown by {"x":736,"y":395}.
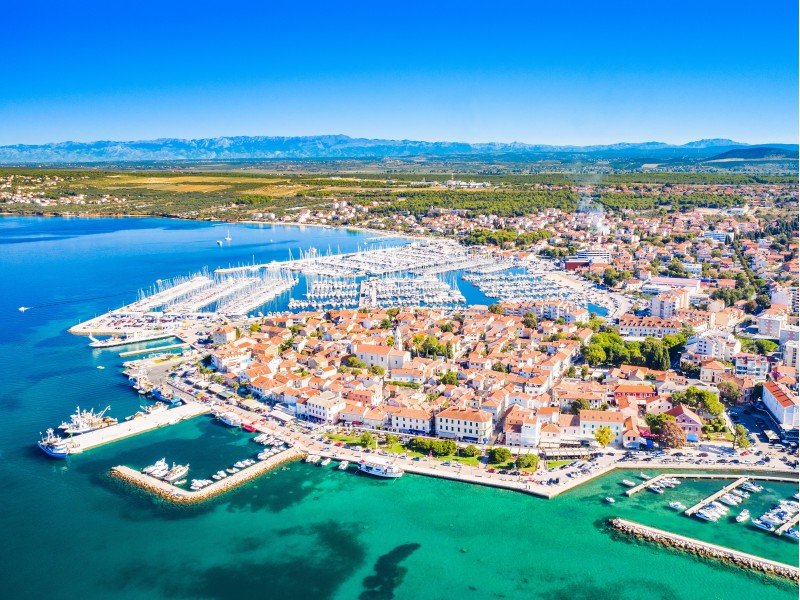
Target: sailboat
{"x":228,"y":237}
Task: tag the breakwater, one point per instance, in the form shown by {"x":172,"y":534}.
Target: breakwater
{"x":176,"y":495}
{"x":705,"y":549}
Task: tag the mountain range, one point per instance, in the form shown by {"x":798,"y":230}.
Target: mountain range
{"x":339,"y":147}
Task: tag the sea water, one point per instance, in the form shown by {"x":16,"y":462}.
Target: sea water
{"x":303,"y":531}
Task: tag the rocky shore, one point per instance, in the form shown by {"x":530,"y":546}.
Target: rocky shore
{"x":705,"y":549}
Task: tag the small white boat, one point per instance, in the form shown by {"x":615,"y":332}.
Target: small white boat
{"x":610,"y":500}
{"x":325,"y":462}
{"x":644,"y":476}
{"x":101,"y":367}
{"x":343,"y":465}
{"x":763,"y":525}
{"x":628,"y":483}
{"x":743,"y":516}
{"x":655,"y":488}
{"x":677,"y":505}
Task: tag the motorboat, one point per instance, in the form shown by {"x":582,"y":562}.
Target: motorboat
{"x":761,"y":524}
{"x":644,"y":476}
{"x":230,"y":419}
{"x":628,"y":483}
{"x":743,"y":516}
{"x":610,"y":500}
{"x":343,"y":465}
{"x":677,"y":505}
{"x":656,"y":488}
{"x":325,"y":462}
{"x":176,"y":472}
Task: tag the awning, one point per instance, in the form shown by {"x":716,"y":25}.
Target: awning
{"x":281,"y":416}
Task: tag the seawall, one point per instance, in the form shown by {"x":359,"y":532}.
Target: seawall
{"x":705,"y":549}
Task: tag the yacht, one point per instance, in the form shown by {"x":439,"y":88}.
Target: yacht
{"x":228,"y":237}
{"x":176,"y":472}
{"x":751,"y":486}
{"x":707,"y":516}
{"x":763,"y":524}
{"x":230,"y":419}
{"x":677,"y":505}
{"x":743,"y":516}
{"x":380,"y":469}
{"x":158,"y":465}
{"x":792,"y":533}
{"x":53,"y":445}
{"x":154,"y":408}
{"x":84,"y":421}
{"x":655,"y":488}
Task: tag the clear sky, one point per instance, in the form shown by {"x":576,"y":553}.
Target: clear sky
{"x":535,"y":71}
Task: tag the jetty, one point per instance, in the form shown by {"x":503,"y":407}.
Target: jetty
{"x":790,"y":523}
{"x":124,"y":429}
{"x":693,"y":509}
{"x":152,"y":350}
{"x":645,"y":484}
{"x":176,"y":495}
{"x":705,"y":549}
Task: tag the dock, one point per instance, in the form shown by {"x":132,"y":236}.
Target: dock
{"x":124,"y":429}
{"x":631,"y":491}
{"x":705,"y":549}
{"x":790,"y":523}
{"x":152,"y":350}
{"x":693,"y":509}
{"x":174,"y":494}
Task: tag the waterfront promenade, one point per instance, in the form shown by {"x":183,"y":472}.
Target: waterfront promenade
{"x":126,"y":429}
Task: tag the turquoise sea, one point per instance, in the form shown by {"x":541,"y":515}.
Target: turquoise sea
{"x":68,"y":531}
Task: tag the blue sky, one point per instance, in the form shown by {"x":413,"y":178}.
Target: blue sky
{"x":535,"y":71}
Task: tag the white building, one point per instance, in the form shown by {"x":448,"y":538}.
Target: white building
{"x":325,"y":407}
{"x":716,"y":344}
{"x":782,"y":403}
{"x":593,"y":420}
{"x":464,"y":424}
{"x":753,"y":365}
{"x":381,"y":356}
{"x":790,"y":350}
{"x":667,"y":304}
{"x":595,"y":255}
{"x":771,"y":323}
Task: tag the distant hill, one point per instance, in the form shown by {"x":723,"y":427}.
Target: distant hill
{"x":334,"y":147}
{"x":757,"y":153}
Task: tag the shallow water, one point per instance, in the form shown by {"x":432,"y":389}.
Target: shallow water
{"x":302,"y":531}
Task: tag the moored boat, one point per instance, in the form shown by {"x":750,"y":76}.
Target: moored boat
{"x":628,"y":483}
{"x":743,"y":516}
{"x":230,"y":419}
{"x":53,"y":445}
{"x":677,"y":505}
{"x":380,"y":469}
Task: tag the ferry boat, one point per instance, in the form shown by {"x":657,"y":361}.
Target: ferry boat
{"x":53,"y":445}
{"x":380,"y":469}
{"x":230,"y":419}
{"x":129,"y":339}
{"x":743,"y":516}
{"x":86,"y":421}
{"x":175,"y":473}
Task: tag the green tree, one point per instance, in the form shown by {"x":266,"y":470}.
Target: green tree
{"x":377,"y":370}
{"x":594,"y":355}
{"x":571,"y":371}
{"x":578,"y":405}
{"x":529,"y":320}
{"x":604,"y":435}
{"x":392,"y":439}
{"x":449,"y":378}
{"x":527,"y":461}
{"x":471,"y":451}
{"x":367,"y":440}
{"x":496,"y":309}
{"x":255,"y":328}
{"x":499,"y":455}
{"x":499,"y":367}
{"x":671,"y":435}
{"x":584,"y":371}
{"x":354,"y":363}
{"x":654,"y":422}
{"x":729,"y":392}
{"x":740,"y":439}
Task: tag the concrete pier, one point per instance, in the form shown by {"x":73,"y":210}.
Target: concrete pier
{"x":705,"y":549}
{"x":124,"y":429}
{"x":790,"y":523}
{"x":153,"y":350}
{"x":693,"y":509}
{"x":645,"y":484}
{"x":177,"y":495}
